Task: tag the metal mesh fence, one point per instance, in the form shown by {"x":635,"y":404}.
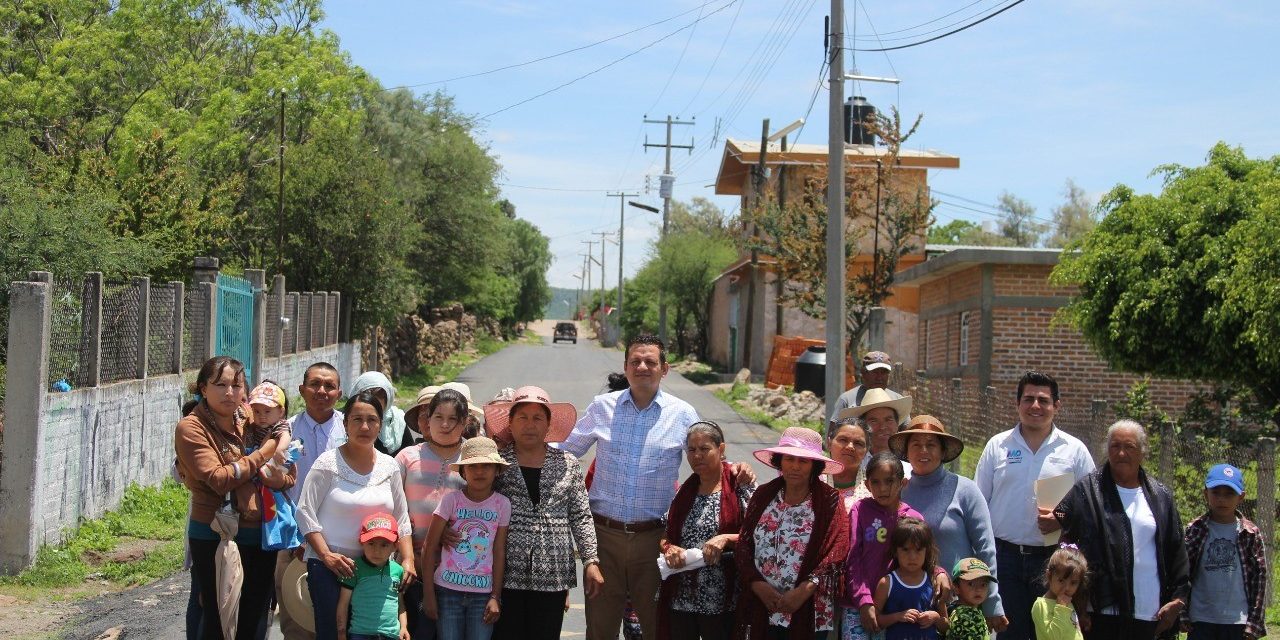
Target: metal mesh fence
{"x":195,"y":328}
{"x":121,"y":315}
{"x":331,"y":333}
{"x":69,"y":338}
{"x":272,"y":337}
{"x":160,"y":329}
{"x":290,"y":327}
{"x":303,"y":323}
{"x":317,"y":319}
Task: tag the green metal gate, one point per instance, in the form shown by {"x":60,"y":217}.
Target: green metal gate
{"x":235,"y":321}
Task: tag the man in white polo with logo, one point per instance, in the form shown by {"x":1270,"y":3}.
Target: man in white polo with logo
{"x":1007,"y":472}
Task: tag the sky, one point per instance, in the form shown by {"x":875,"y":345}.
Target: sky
{"x":1097,"y":91}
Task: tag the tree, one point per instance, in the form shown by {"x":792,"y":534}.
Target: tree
{"x":1073,"y":219}
{"x":530,"y":257}
{"x":1186,"y":283}
{"x":795,"y":235}
{"x":688,"y":263}
{"x":966,"y":232}
{"x":1018,"y":221}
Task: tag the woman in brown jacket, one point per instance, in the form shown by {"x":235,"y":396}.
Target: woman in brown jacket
{"x":211,"y":443}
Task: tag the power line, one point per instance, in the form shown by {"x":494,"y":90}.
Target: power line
{"x":554,"y":55}
{"x":929,"y":22}
{"x":607,"y":65}
{"x":949,"y":33}
{"x":916,"y":36}
{"x":679,"y":59}
{"x":715,"y":60}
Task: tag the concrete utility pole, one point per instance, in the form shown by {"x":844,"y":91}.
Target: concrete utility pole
{"x":622,"y":217}
{"x":667,"y":180}
{"x":748,"y":346}
{"x":280,"y":193}
{"x":604,"y":240}
{"x":586,"y":284}
{"x":835,"y":209}
{"x":782,"y":206}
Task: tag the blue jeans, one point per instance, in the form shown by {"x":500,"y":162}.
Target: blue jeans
{"x":420,"y":626}
{"x":1021,"y":582}
{"x":324,"y":599}
{"x":368,"y":636}
{"x":462,"y":615}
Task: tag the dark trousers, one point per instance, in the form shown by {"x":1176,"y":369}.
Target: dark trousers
{"x":259,"y":569}
{"x":782,"y":633}
{"x":420,"y":626}
{"x":324,"y":588}
{"x":1210,"y":631}
{"x":1107,"y":627}
{"x":194,"y":612}
{"x":692,"y":626}
{"x":530,"y":615}
{"x":1021,"y":582}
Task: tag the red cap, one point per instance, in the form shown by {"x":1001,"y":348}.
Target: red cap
{"x":379,"y":525}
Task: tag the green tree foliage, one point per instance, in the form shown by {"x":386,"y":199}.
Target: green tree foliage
{"x":1073,"y":219}
{"x":1018,"y":221}
{"x":1186,"y":283}
{"x":967,"y":233}
{"x":146,"y":132}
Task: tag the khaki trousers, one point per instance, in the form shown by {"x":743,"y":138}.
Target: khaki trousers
{"x":290,"y":629}
{"x":629,"y":563}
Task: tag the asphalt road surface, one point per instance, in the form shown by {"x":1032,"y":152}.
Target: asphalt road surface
{"x":569,"y":372}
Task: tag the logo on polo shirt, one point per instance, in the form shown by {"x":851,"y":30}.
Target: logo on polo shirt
{"x":1014,"y":456}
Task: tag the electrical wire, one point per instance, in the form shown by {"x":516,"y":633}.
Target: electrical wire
{"x":949,"y":33}
{"x":554,"y":55}
{"x":716,"y":60}
{"x":606,"y":65}
{"x":929,"y":22}
{"x":679,"y":59}
{"x":916,"y":36}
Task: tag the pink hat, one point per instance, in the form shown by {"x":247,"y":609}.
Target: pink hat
{"x":801,"y":443}
{"x":379,"y":525}
{"x":563,"y":415}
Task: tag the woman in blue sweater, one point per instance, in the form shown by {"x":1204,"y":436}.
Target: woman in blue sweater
{"x":952,"y":505}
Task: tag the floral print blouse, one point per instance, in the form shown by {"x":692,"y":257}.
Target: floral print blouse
{"x":704,"y":592}
{"x":781,"y":539}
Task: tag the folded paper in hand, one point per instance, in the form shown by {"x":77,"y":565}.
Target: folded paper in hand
{"x":692,"y":560}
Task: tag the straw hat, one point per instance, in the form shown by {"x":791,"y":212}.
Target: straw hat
{"x":801,"y":443}
{"x":295,"y":596}
{"x":478,"y":450}
{"x":928,"y":425}
{"x":466,"y":393}
{"x":563,"y":415}
{"x":875,"y":399}
{"x":420,"y":403}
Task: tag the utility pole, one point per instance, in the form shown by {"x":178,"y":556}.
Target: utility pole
{"x":622,"y":217}
{"x":782,"y":206}
{"x":604,"y":240}
{"x":748,"y":345}
{"x":586,"y":284}
{"x":835,"y":208}
{"x":280,"y":194}
{"x":667,"y":181}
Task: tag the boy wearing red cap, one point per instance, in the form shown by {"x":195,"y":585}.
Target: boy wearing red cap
{"x":372,"y":594}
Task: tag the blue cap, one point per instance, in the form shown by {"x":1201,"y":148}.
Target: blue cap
{"x":1225,"y":475}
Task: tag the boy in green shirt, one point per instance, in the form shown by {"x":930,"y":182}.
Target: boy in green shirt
{"x":372,"y":595}
{"x":967,"y":622}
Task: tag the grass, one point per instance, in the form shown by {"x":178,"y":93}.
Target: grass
{"x":736,"y":397}
{"x":407,"y":386}
{"x":147,"y":513}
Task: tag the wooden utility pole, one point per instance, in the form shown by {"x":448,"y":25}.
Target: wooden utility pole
{"x":667,"y":181}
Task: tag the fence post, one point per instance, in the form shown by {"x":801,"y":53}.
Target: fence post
{"x":40,"y":276}
{"x":304,"y":333}
{"x":344,"y":321}
{"x":143,"y":285}
{"x":324,"y":323}
{"x":21,"y":482}
{"x":204,"y":270}
{"x":1265,"y":509}
{"x":335,"y":316}
{"x":91,"y":331}
{"x":293,"y":320}
{"x":210,"y":292}
{"x":179,"y":311}
{"x":277,"y":290}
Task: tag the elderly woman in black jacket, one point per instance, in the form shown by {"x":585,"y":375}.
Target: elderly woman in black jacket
{"x":1128,"y":528}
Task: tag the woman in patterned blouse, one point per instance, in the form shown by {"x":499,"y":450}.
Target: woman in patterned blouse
{"x":794,"y":540}
{"x":706,"y":514}
{"x":550,"y":516}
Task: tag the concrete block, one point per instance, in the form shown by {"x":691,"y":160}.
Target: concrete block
{"x":21,"y":481}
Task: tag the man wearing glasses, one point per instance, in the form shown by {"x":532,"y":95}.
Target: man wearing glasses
{"x":1007,"y":472}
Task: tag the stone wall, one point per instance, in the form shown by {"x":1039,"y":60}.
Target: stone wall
{"x":428,"y":339}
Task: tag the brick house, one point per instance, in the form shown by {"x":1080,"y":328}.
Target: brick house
{"x":787,"y":173}
{"x":987,"y":315}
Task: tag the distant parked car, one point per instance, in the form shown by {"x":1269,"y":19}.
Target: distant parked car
{"x":565,"y":331}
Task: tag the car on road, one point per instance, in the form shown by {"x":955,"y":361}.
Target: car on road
{"x":565,"y":331}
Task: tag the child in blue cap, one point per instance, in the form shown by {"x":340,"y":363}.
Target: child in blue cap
{"x":1228,"y":565}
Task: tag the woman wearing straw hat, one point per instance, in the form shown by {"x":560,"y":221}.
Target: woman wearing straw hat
{"x":881,"y":413}
{"x":550,"y":515}
{"x":440,"y":415}
{"x":706,"y":515}
{"x":795,"y":537}
{"x":950,"y":504}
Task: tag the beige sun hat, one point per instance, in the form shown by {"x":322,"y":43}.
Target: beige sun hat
{"x":478,"y":450}
{"x":295,"y":595}
{"x":424,"y":398}
{"x":462,"y":388}
{"x":926,"y":425}
{"x":875,"y":399}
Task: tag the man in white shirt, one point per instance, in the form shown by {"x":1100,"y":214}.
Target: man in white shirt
{"x":1007,"y":472}
{"x":320,"y":429}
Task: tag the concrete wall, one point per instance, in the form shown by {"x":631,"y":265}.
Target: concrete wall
{"x":287,"y":370}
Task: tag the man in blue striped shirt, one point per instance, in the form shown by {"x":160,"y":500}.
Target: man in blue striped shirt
{"x":639,"y":435}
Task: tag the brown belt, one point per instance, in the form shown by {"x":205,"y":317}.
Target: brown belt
{"x":627,"y":527}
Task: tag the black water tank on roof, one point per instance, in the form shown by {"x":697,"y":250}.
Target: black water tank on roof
{"x":811,"y":371}
{"x":856,"y":112}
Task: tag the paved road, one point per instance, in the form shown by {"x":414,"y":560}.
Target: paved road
{"x":569,"y":372}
